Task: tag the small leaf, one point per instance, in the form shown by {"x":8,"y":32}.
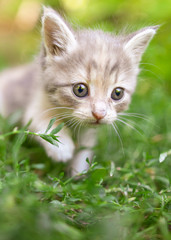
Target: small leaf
{"x":54,"y":137}
{"x":57,"y":129}
{"x":49,"y":139}
{"x":98,"y":174}
{"x":50,"y":124}
{"x":88,"y":161}
{"x":28,"y":124}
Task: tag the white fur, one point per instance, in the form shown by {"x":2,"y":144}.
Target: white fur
{"x":64,"y":152}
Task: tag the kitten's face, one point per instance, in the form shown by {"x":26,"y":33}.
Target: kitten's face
{"x":90,"y":72}
{"x":97,"y":86}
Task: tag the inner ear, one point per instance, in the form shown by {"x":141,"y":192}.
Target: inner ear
{"x":138,"y":41}
{"x":54,"y":41}
{"x":58,"y":38}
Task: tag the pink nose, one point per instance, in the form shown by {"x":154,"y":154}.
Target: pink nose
{"x":99,"y":115}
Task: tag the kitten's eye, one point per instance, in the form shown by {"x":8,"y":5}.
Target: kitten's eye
{"x":80,"y":90}
{"x":117,"y":93}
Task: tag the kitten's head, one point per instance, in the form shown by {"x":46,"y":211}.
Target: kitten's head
{"x":91,"y":72}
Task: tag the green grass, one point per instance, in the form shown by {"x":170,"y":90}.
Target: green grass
{"x":122,"y":196}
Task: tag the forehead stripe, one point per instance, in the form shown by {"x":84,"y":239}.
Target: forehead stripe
{"x":114,"y":68}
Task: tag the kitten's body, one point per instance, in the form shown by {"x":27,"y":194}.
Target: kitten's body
{"x":71,"y":63}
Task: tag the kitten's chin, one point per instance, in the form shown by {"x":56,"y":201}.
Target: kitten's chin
{"x":99,"y":122}
{"x":96,"y":123}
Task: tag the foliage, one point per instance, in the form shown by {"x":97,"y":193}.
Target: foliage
{"x":122,"y":196}
{"x":128,"y":199}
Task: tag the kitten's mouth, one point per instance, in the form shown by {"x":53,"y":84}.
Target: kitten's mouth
{"x":97,"y":122}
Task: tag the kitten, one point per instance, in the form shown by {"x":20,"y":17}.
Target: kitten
{"x":82,"y":77}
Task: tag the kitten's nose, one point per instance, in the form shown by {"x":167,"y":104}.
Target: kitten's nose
{"x":99,"y":115}
{"x":99,"y":109}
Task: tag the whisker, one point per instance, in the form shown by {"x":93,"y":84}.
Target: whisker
{"x":129,"y":125}
{"x":77,"y":125}
{"x":61,"y":115}
{"x":128,"y":120}
{"x":71,"y":121}
{"x":55,"y":108}
{"x":136,"y":115}
{"x":132,"y":123}
{"x":139,"y":116}
{"x":115,"y":127}
{"x":150,"y":64}
{"x":81,"y":115}
{"x":81,"y":124}
{"x":58,"y":116}
{"x":61,"y":118}
{"x":155,"y":75}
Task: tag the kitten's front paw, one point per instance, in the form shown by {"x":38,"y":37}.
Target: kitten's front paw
{"x":79,"y":163}
{"x":62,"y":153}
{"x":65,"y":152}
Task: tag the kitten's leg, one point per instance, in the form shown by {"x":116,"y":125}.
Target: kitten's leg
{"x":64,"y":151}
{"x":66,"y":147}
{"x":87,"y":141}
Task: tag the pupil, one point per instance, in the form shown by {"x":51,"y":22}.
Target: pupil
{"x":80,"y":89}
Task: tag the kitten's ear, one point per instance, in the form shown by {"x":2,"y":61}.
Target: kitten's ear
{"x":137,"y":42}
{"x":58,"y":38}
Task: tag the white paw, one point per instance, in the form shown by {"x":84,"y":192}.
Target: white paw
{"x":65,"y":152}
{"x":79,"y":163}
{"x":62,"y":153}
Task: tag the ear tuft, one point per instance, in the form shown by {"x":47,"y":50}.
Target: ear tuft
{"x":58,"y":38}
{"x":137,"y":42}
